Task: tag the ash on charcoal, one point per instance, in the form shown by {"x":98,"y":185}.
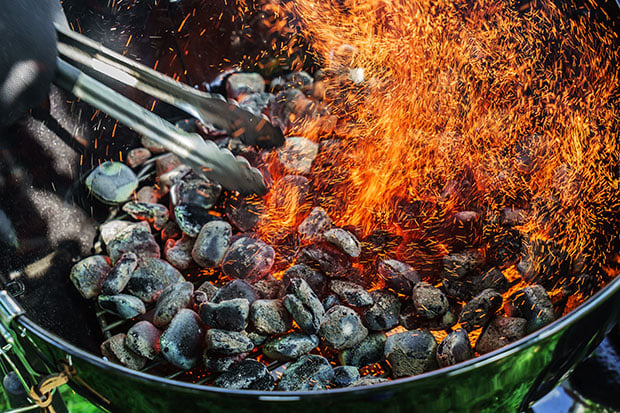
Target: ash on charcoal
{"x":367,"y":381}
{"x":316,"y":223}
{"x":137,"y":157}
{"x":454,"y":348}
{"x":212,"y":243}
{"x":344,"y":240}
{"x":533,"y":304}
{"x":286,"y":105}
{"x":500,"y":332}
{"x":429,"y":301}
{"x":351,"y":293}
{"x":383,"y":314}
{"x":244,"y":212}
{"x":328,"y":259}
{"x":123,"y":305}
{"x":315,"y":279}
{"x":297,"y":154}
{"x":460,"y":264}
{"x":290,"y":346}
{"x":239,"y":84}
{"x":494,"y":279}
{"x":143,"y":339}
{"x":147,"y":194}
{"x":115,"y":350}
{"x":206,"y":291}
{"x":112,"y":182}
{"x":345,"y":375}
{"x":398,"y":276}
{"x":310,"y":372}
{"x":109,"y":230}
{"x":226,"y":315}
{"x":227,"y":343}
{"x":88,"y":275}
{"x":191,"y":218}
{"x":304,"y":306}
{"x":270,"y":317}
{"x":166,"y":163}
{"x":256,"y":103}
{"x":269,"y":287}
{"x":136,"y":238}
{"x":330,"y":301}
{"x":480,"y":310}
{"x":257,"y":339}
{"x":157,"y":214}
{"x":368,"y":351}
{"x":181,"y":343}
{"x":151,"y":277}
{"x":342,"y":328}
{"x":119,"y":275}
{"x":220,"y":364}
{"x":179,"y":252}
{"x":171,"y":178}
{"x":172,"y":299}
{"x":247,"y":374}
{"x":194,"y":190}
{"x":236,"y":289}
{"x":410,"y":319}
{"x":248,"y":259}
{"x":411,"y":352}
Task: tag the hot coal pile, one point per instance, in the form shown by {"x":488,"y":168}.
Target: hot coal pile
{"x":440,"y":195}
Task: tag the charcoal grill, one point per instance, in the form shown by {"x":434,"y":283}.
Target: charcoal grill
{"x":55,"y":330}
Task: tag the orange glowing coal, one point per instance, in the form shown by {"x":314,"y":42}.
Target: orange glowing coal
{"x":450,"y":111}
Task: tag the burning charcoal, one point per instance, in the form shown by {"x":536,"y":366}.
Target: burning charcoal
{"x":196,"y":191}
{"x":304,"y":306}
{"x":290,"y":346}
{"x":170,"y":230}
{"x":342,"y":328}
{"x":212,"y":243}
{"x":151,"y":277}
{"x":156,"y":214}
{"x":310,"y":372}
{"x":315,"y":279}
{"x":297,"y":155}
{"x":147,"y":194}
{"x":136,"y":238}
{"x":179,"y":252}
{"x":315,"y":224}
{"x":504,"y":249}
{"x":239,"y":84}
{"x":119,"y":275}
{"x":284,"y":105}
{"x":167,"y":163}
{"x":244,"y":213}
{"x":454,"y":348}
{"x":137,"y":157}
{"x":191,"y":219}
{"x":112,"y":182}
{"x":410,"y":319}
{"x":226,"y":315}
{"x":512,"y":216}
{"x":270,"y":317}
{"x":269,"y":288}
{"x":328,"y":259}
{"x":494,"y":279}
{"x":290,"y":191}
{"x":236,"y":289}
{"x":123,"y":305}
{"x":533,"y":304}
{"x":143,"y":339}
{"x":330,"y":301}
{"x":500,"y":332}
{"x":398,"y":276}
{"x":257,"y":339}
{"x":367,"y":381}
{"x":249,"y":259}
{"x":345,"y":375}
{"x":351,"y":293}
{"x":344,"y":240}
{"x":181,"y":343}
{"x":169,"y":179}
{"x":227,"y":343}
{"x":111,"y":229}
{"x":460,"y":264}
{"x":172,"y":299}
{"x":411,"y":352}
{"x":88,"y":275}
{"x":220,"y":364}
{"x":115,"y":350}
{"x":429,"y":301}
{"x":248,"y":375}
{"x":367,"y":352}
{"x":383,"y":314}
{"x":478,"y":312}
{"x":256,"y":103}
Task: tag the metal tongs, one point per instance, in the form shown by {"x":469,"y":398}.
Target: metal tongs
{"x":220,"y":165}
